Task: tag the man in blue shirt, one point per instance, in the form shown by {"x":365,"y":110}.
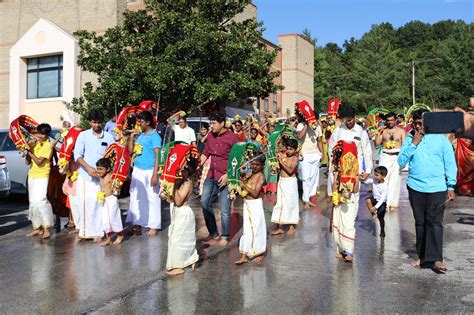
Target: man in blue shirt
{"x":90,"y":146}
{"x":431,"y":181}
{"x":110,"y":125}
{"x":145,"y":202}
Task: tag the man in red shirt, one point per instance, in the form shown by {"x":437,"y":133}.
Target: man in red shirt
{"x":217,"y":149}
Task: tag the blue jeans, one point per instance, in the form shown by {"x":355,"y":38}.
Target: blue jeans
{"x":210,"y":192}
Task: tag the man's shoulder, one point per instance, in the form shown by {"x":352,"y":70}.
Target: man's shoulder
{"x":108,"y":137}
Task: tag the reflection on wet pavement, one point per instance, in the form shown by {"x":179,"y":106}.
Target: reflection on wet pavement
{"x":299,"y":275}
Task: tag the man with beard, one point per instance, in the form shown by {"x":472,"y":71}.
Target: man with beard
{"x":391,"y":138}
{"x":218,"y":145}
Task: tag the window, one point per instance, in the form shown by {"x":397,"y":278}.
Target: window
{"x":265,"y":104}
{"x":275,"y":103}
{"x":45,"y":76}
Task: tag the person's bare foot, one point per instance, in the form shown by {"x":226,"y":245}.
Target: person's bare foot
{"x":97,"y":239}
{"x":152,"y":232}
{"x":175,"y":272}
{"x":193,"y":266}
{"x":107,"y":242}
{"x":339,"y":256}
{"x":278,"y":231}
{"x":258,"y":259}
{"x":416,"y":263}
{"x":79,"y":239}
{"x":33,"y":233}
{"x":119,"y":239}
{"x":222,"y":242}
{"x":73,"y":231}
{"x":440,"y":267}
{"x":291,"y":230}
{"x":394,"y":209}
{"x":46,"y":234}
{"x":348,"y":258}
{"x":243,"y":260}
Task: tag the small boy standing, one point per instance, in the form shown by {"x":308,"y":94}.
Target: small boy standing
{"x":110,"y":211}
{"x":377,"y":202}
{"x":253,"y":243}
{"x":286,"y":210}
{"x":40,"y":212}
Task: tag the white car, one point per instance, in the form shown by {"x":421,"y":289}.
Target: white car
{"x":17,"y":168}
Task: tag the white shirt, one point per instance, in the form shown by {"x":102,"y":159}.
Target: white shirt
{"x":379,"y":191}
{"x":310,"y":140}
{"x":360,"y":137}
{"x":185,"y":134}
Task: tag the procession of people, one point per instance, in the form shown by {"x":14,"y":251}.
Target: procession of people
{"x":248,"y":159}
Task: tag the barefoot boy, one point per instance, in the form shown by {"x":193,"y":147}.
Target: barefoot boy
{"x":286,"y":210}
{"x":110,"y":211}
{"x":253,"y":243}
{"x":377,"y":202}
{"x":41,"y":212}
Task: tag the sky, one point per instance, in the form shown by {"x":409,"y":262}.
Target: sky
{"x":337,"y":20}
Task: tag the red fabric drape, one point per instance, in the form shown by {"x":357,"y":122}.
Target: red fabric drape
{"x":465,"y":162}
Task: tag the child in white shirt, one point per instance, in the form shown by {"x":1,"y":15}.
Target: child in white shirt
{"x":377,"y":201}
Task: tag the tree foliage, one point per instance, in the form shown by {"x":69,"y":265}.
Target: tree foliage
{"x":376,"y":70}
{"x":190,"y":52}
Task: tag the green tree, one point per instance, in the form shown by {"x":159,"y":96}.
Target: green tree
{"x":190,"y":52}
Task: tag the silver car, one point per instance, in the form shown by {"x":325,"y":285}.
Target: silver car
{"x":17,"y":168}
{"x":5,"y":183}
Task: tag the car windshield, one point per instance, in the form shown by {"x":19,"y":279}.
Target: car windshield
{"x":6,"y":144}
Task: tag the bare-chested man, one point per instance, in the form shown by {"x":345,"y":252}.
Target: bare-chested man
{"x":391,"y":138}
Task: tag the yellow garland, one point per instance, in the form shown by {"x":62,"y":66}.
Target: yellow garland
{"x":100,"y":197}
{"x":337,"y":199}
{"x":390,"y":145}
{"x":64,"y":132}
{"x":62,"y":162}
{"x":137,"y":148}
{"x":74,"y":176}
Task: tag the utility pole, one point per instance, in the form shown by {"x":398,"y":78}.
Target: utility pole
{"x":413,"y":80}
{"x":413,"y":63}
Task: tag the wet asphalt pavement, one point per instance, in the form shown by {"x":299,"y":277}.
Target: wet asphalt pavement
{"x":300,"y":274}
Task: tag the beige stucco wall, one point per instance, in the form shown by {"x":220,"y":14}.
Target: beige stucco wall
{"x":18,"y":16}
{"x":297,"y":70}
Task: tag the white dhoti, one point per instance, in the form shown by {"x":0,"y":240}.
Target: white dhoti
{"x":145,"y":202}
{"x":76,"y":214}
{"x":310,"y":174}
{"x":40,"y":210}
{"x":286,"y":210}
{"x":181,"y":238}
{"x":343,"y":224}
{"x":388,"y":158}
{"x":254,"y":238}
{"x":330,"y":179}
{"x":111,"y":217}
{"x":90,"y":218}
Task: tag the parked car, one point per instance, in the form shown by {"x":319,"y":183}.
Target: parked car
{"x":5,"y":183}
{"x":17,"y":168}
